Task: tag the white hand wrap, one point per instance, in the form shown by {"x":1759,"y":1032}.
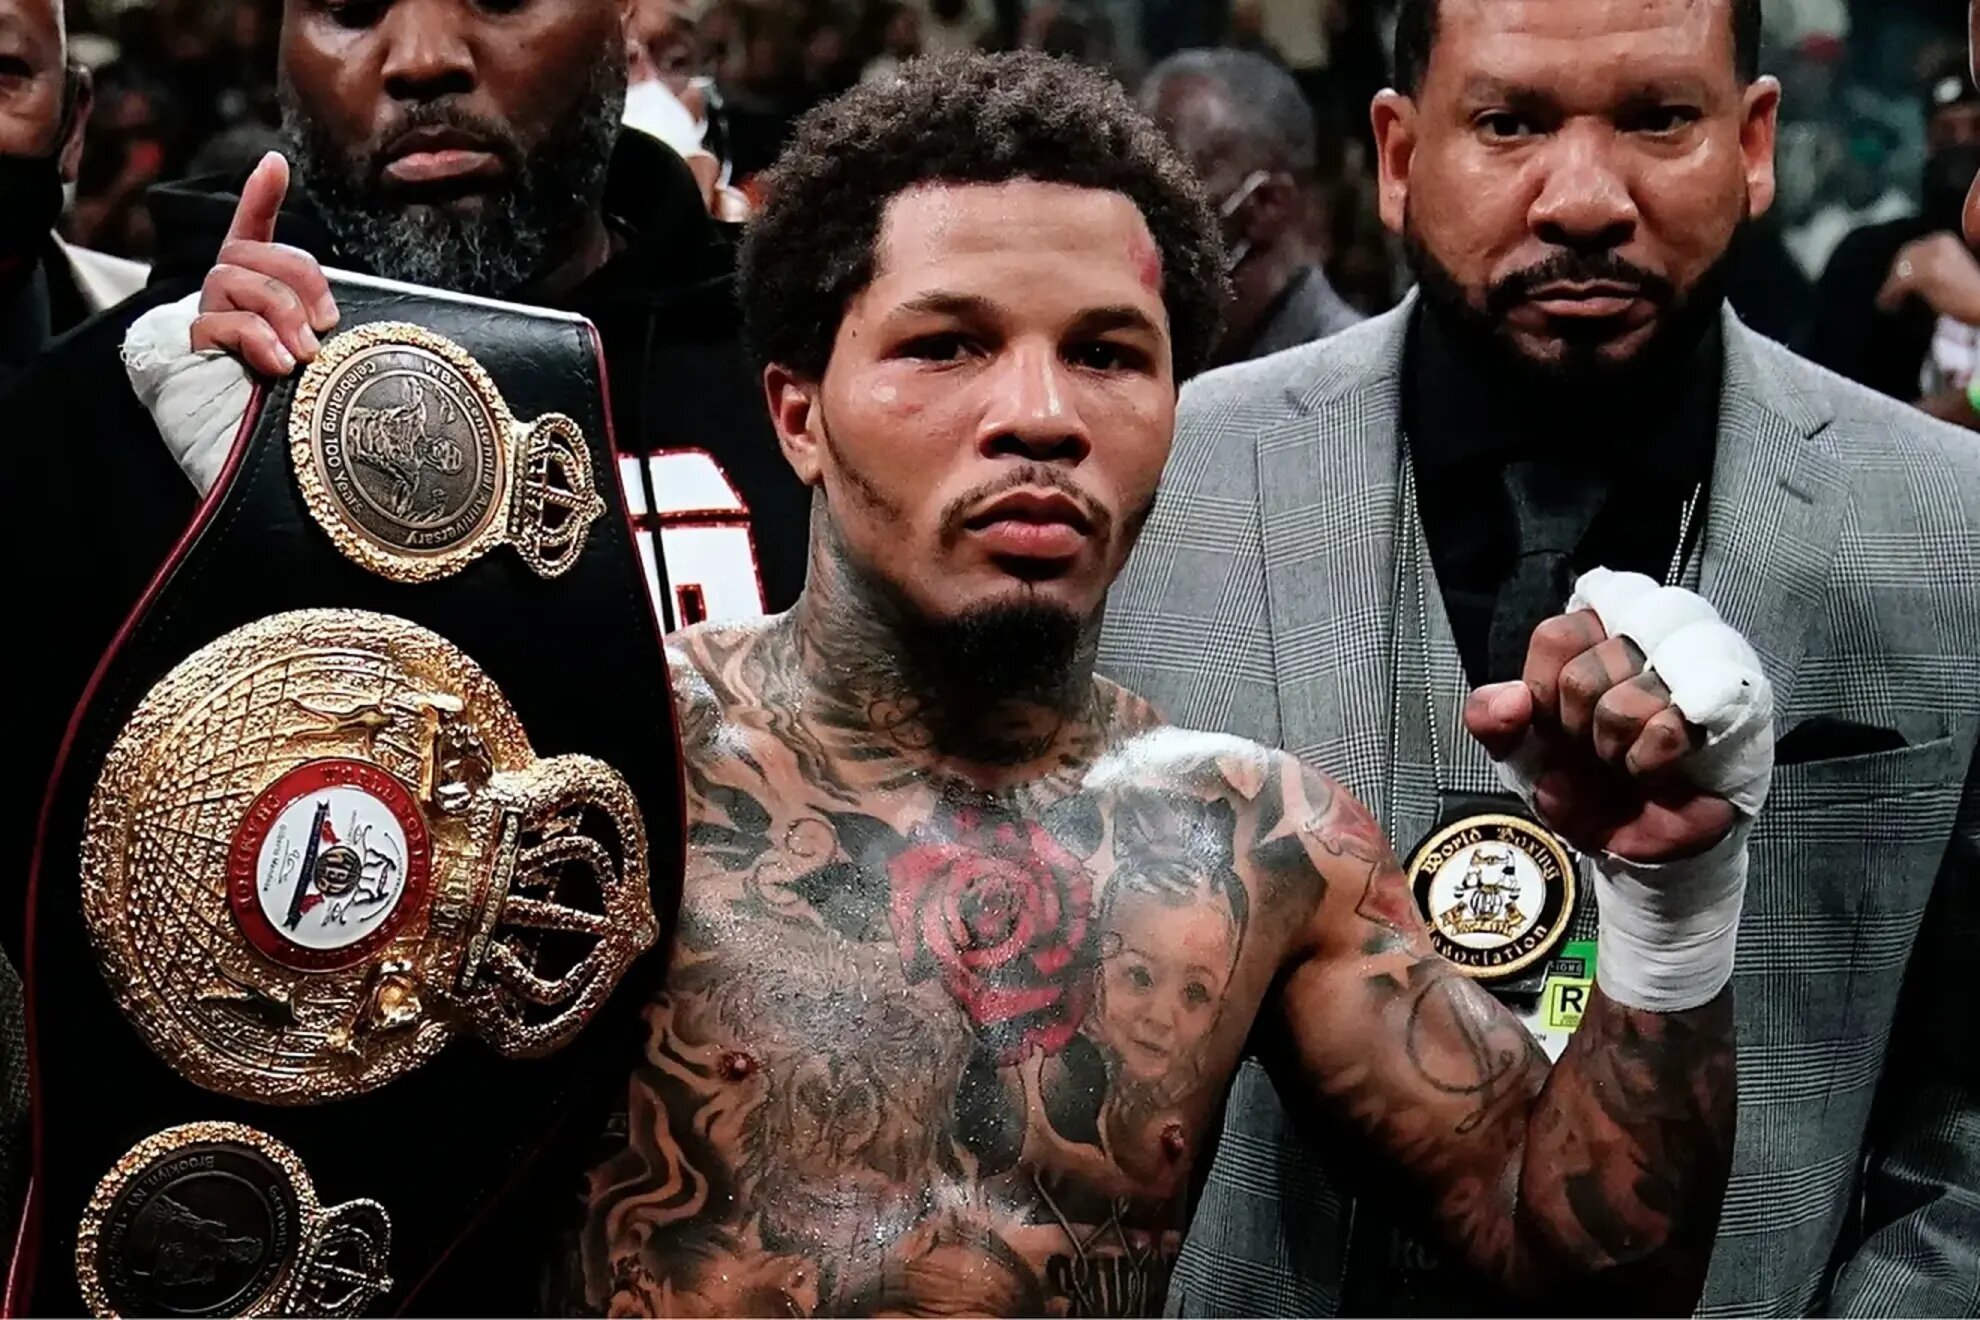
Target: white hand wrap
{"x":197,"y":399}
{"x":1715,"y":679}
{"x":1669,"y":931}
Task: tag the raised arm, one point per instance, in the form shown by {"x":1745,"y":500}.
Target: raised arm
{"x":1599,"y":1182}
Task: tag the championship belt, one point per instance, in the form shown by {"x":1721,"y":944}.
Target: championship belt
{"x":361,"y":801}
{"x":347,"y":879}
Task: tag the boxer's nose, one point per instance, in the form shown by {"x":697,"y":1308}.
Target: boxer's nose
{"x":1032,"y":413}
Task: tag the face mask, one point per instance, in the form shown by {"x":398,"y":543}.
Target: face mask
{"x":1229,"y":209}
{"x":652,"y":108}
{"x":32,"y":186}
{"x":34,"y":190}
{"x":1949,"y":174}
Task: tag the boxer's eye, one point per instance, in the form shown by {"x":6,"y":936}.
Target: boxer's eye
{"x":1106,"y":355}
{"x":1504,"y":126}
{"x":938,"y":348}
{"x":1660,"y":120}
{"x":358,"y":13}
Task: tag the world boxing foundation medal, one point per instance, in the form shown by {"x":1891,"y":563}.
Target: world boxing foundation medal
{"x":1497,"y":891}
{"x":409,"y":458}
{"x":322,"y":847}
{"x":218,"y":1219}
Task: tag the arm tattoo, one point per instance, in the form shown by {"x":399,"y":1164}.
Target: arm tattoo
{"x":1607,"y":1170}
{"x":1629,"y":1150}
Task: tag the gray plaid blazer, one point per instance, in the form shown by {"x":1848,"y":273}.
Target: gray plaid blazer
{"x":1843,"y":539}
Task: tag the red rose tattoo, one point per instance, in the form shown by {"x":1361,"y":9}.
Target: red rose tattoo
{"x":1000,"y":913}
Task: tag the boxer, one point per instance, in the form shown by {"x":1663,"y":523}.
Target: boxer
{"x":971,"y":941}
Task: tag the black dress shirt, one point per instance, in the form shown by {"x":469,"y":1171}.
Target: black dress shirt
{"x":35,"y":308}
{"x":1465,"y":422}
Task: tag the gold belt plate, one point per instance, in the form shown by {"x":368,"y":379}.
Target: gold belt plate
{"x":409,"y":458}
{"x":322,"y":847}
{"x":219,"y":1219}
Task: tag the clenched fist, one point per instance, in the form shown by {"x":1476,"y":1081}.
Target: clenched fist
{"x":1612,"y":760}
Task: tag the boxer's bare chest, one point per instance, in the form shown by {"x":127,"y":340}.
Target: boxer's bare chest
{"x":925,"y":1048}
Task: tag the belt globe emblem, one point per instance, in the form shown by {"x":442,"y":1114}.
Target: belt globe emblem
{"x":322,"y":847}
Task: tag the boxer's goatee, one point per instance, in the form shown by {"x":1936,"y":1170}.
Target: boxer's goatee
{"x":1013,"y":650}
{"x":517,"y":235}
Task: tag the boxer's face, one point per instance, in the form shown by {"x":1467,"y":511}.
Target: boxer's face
{"x":425,"y":126}
{"x":999,"y":401}
{"x":1572,"y":174}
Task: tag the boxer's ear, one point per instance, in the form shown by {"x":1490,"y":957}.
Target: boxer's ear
{"x":800,"y":428}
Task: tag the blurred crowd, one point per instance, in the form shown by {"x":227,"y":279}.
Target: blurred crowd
{"x":187,"y":87}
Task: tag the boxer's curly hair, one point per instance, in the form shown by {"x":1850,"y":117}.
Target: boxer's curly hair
{"x":963,"y":119}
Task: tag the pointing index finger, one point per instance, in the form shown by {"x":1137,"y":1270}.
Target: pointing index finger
{"x":261,"y":201}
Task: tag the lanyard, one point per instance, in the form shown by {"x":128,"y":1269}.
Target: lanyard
{"x":1410,"y":559}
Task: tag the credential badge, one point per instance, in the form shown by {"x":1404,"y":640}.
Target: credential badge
{"x":1497,"y":891}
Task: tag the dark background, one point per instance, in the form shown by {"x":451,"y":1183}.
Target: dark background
{"x":187,"y":87}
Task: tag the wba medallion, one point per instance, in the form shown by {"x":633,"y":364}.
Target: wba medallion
{"x":411,"y":461}
{"x":322,"y":847}
{"x":1497,"y":892}
{"x":217,"y":1219}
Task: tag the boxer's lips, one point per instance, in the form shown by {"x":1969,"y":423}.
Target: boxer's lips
{"x":1032,"y":525}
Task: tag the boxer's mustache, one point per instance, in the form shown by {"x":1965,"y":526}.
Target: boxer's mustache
{"x":1028,"y":477}
{"x":1576,"y":268}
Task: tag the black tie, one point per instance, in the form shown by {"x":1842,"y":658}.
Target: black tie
{"x":1553,"y":505}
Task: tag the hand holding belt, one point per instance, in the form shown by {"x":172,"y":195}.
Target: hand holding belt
{"x":305,"y":840}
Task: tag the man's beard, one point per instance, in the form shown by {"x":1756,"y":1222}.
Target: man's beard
{"x":1582,"y":372}
{"x":1019,"y":650}
{"x":515,"y":236}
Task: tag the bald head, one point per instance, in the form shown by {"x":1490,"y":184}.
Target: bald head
{"x":1220,"y":104}
{"x":34,"y":61}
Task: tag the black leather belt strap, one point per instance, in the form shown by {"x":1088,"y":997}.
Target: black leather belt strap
{"x":581,"y":660}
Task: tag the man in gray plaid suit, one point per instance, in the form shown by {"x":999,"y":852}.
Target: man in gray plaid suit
{"x":1354,"y":533}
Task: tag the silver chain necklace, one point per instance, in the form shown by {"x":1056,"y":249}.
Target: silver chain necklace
{"x":1410,"y":536}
